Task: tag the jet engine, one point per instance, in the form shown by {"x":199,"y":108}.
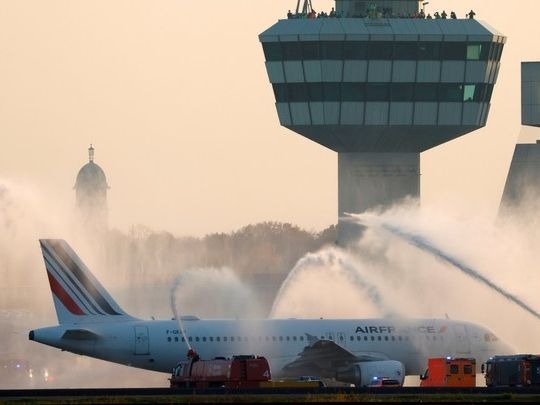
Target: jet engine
{"x":363,"y":373}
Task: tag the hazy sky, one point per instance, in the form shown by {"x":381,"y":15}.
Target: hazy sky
{"x":175,"y":98}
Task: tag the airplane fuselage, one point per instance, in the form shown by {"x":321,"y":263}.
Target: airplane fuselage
{"x":159,"y":345}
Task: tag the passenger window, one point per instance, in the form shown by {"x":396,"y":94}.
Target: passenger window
{"x":274,"y":338}
{"x":204,"y":339}
{"x":169,"y":339}
{"x":400,"y":338}
{"x":372,"y":338}
{"x":218,"y":339}
{"x":288,"y":338}
{"x":176,"y":338}
{"x":454,"y":369}
{"x":301,"y":338}
{"x":197,"y":339}
{"x":232,"y":338}
{"x":467,"y":369}
{"x":352,"y":338}
{"x":281,"y":338}
{"x":190,"y":339}
{"x":393,"y":338}
{"x":379,"y":338}
{"x":224,"y":338}
{"x":386,"y":338}
{"x":183,"y":339}
{"x":294,"y":338}
{"x":211,"y":338}
{"x":365,"y":338}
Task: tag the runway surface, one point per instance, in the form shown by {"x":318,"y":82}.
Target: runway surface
{"x":166,"y":395}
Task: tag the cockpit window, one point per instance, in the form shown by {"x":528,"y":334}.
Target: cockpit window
{"x":490,"y":337}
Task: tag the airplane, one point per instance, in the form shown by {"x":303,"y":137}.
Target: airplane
{"x":354,"y":351}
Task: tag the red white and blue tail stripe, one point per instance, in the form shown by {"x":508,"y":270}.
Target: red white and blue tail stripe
{"x":78,"y":295}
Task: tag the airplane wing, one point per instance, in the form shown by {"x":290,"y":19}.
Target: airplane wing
{"x":324,"y":357}
{"x":80,"y":334}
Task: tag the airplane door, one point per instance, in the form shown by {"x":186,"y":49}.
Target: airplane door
{"x":141,"y":340}
{"x":463,"y":345}
{"x":341,"y":339}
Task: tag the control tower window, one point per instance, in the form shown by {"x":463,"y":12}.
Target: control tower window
{"x":331,"y":91}
{"x":474,"y":52}
{"x":352,"y":92}
{"x":469,"y":92}
{"x":425,"y":92}
{"x":377,"y":92}
{"x":454,"y":50}
{"x":355,"y":50}
{"x":272,"y":51}
{"x":310,"y":50}
{"x":332,"y":50}
{"x":381,"y":50}
{"x":292,"y":51}
{"x":405,"y":50}
{"x":429,"y":51}
{"x":316,"y":92}
{"x":402,"y":92}
{"x":450,"y":92}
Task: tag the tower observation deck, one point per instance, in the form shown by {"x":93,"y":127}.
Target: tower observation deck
{"x":379,"y":87}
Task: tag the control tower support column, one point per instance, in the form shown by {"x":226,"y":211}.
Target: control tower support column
{"x":374,"y":180}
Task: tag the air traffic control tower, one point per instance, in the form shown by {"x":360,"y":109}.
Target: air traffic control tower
{"x":378,"y":85}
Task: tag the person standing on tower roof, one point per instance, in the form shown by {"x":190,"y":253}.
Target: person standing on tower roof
{"x":453,"y":15}
{"x":444,"y":15}
{"x":471,"y":14}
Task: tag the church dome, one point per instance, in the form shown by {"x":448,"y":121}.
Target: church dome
{"x":91,"y":176}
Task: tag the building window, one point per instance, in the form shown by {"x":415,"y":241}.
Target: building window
{"x":405,"y":50}
{"x":355,"y":50}
{"x":272,"y":51}
{"x":450,"y":92}
{"x":429,"y":51}
{"x":454,"y":50}
{"x":380,"y":50}
{"x":291,"y":50}
{"x":353,"y":91}
{"x":377,"y":92}
{"x":474,"y":52}
{"x":425,"y":92}
{"x":331,"y":91}
{"x":310,"y":50}
{"x":332,"y":50}
{"x":402,"y":92}
{"x":468,"y":92}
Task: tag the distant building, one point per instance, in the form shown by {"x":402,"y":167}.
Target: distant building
{"x":91,"y":195}
{"x":522,"y":188}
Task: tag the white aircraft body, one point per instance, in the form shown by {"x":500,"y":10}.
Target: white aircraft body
{"x":352,"y":350}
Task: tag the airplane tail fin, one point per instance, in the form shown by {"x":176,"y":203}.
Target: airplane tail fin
{"x":78,"y":296}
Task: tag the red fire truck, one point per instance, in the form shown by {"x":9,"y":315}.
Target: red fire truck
{"x":245,"y":371}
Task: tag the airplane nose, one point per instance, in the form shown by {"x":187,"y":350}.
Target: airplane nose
{"x":31,"y":335}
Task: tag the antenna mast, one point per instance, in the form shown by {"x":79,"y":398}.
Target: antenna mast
{"x":307,"y":7}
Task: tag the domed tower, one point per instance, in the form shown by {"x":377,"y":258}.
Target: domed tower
{"x":91,"y":194}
